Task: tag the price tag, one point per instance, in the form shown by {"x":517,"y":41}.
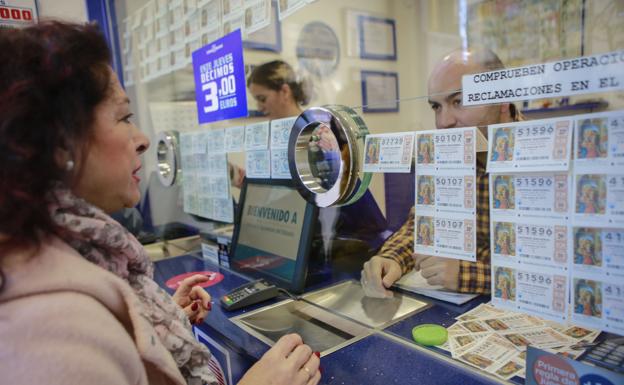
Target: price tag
{"x":220,"y":79}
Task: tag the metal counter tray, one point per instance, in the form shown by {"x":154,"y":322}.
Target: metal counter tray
{"x":328,"y":319}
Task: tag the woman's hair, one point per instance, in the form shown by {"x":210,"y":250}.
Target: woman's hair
{"x":52,"y":77}
{"x":273,"y":75}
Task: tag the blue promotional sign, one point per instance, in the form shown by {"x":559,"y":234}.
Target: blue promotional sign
{"x":543,"y":368}
{"x":220,"y":79}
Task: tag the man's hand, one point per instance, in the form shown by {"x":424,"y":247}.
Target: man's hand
{"x":438,"y":270}
{"x":378,"y":275}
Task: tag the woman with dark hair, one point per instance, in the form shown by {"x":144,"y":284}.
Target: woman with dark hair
{"x":77,"y":297}
{"x":277,"y":90}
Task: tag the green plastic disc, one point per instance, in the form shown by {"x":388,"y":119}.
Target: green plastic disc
{"x":429,"y":334}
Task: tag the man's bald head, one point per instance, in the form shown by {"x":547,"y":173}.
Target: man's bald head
{"x":445,"y":90}
{"x":462,"y":62}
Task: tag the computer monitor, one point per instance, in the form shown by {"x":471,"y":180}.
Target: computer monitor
{"x":273,"y":233}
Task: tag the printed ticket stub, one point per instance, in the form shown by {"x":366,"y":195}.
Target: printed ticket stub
{"x":489,"y":352}
{"x":450,"y":149}
{"x":530,"y":244}
{"x":389,"y":152}
{"x":511,"y":321}
{"x":598,"y":302}
{"x":460,"y":343}
{"x":215,"y":141}
{"x":533,"y":195}
{"x":279,"y":164}
{"x":258,"y":164}
{"x":511,"y":367}
{"x":445,"y":193}
{"x":257,"y":136}
{"x":484,"y":310}
{"x":597,"y":250}
{"x":540,"y":145}
{"x":577,"y":333}
{"x":543,"y":337}
{"x":234,"y":139}
{"x":599,"y":199}
{"x":280,"y":132}
{"x":599,"y":143}
{"x":540,"y":292}
{"x":446,"y":236}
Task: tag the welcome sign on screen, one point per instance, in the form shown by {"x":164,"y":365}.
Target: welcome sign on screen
{"x":219,"y":73}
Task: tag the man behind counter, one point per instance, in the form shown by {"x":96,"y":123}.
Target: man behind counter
{"x":395,"y":257}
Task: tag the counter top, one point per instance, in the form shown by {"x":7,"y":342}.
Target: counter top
{"x":383,"y":357}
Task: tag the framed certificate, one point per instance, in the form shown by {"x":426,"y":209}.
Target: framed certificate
{"x":268,"y":38}
{"x":377,"y":38}
{"x":380,"y":91}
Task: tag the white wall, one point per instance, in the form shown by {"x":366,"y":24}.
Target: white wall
{"x":70,"y":10}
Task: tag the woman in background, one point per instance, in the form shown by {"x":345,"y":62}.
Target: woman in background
{"x":77,"y":297}
{"x":277,"y":90}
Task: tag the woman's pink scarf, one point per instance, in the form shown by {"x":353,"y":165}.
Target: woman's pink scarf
{"x":103,"y":241}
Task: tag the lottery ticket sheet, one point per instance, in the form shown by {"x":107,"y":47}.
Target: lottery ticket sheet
{"x":258,"y":164}
{"x":530,"y":198}
{"x":234,"y":139}
{"x":537,"y":145}
{"x":596,"y":239}
{"x":257,"y":136}
{"x":388,"y":153}
{"x":205,"y":182}
{"x":445,"y":196}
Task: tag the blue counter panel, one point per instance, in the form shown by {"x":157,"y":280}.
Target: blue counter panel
{"x":379,"y":360}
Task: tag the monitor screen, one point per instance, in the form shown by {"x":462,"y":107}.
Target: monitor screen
{"x":274,"y":232}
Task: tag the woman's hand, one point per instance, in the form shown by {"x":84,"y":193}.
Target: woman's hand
{"x":288,"y":362}
{"x":194,"y":300}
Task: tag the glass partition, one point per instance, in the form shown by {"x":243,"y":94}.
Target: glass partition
{"x":402,"y":66}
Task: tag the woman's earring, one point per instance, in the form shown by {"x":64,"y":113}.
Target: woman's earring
{"x":69,"y":165}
